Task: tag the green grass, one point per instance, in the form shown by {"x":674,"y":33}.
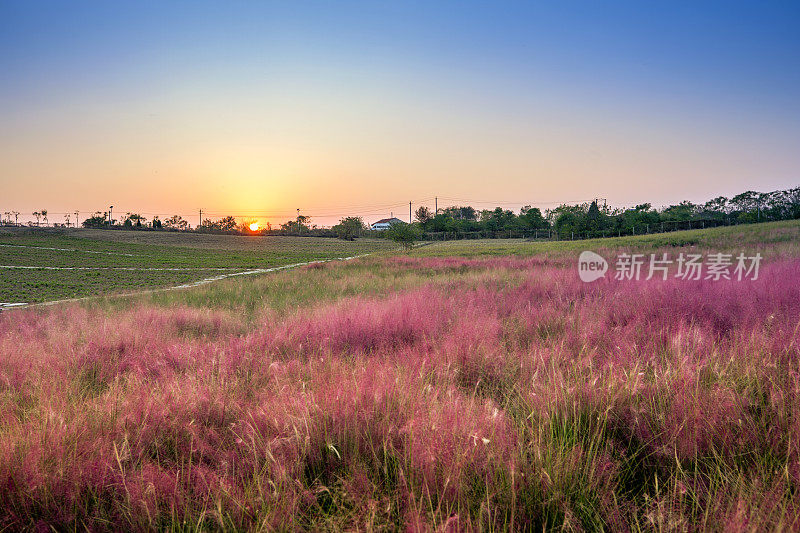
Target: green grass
{"x":44,"y":285}
{"x":289,"y":290}
{"x":106,"y":263}
{"x":205,"y":253}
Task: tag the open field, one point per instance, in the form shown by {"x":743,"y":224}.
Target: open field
{"x":98,"y":262}
{"x":77,"y":263}
{"x":287,"y":291}
{"x":466,"y":385}
{"x":237,"y":243}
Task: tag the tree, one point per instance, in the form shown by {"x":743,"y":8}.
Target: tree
{"x":461,"y":212}
{"x":683,"y":211}
{"x":716,"y":208}
{"x":786,"y":204}
{"x":349,"y":228}
{"x":745,"y":202}
{"x":175,"y":222}
{"x":636,"y":220}
{"x":156,"y":222}
{"x":442,"y":222}
{"x":568,"y":219}
{"x":297,"y":226}
{"x":498,"y":219}
{"x":227,"y":223}
{"x":593,"y":216}
{"x":303,"y":223}
{"x":404,"y":234}
{"x":747,"y":206}
{"x":44,"y":215}
{"x":38,"y":216}
{"x":532,"y":217}
{"x":133,"y":219}
{"x":97,"y":220}
{"x":423,"y":214}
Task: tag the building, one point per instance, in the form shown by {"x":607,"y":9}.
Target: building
{"x":384,"y":223}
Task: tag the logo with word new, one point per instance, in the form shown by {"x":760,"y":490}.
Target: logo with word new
{"x":591,"y":266}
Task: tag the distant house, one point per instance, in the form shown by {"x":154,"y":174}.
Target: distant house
{"x":384,"y":223}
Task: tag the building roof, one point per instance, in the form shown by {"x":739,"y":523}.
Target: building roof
{"x":387,"y":221}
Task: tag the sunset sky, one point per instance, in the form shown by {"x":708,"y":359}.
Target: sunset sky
{"x":339,"y":108}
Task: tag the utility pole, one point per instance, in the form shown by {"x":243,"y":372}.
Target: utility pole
{"x":76,"y":219}
{"x":436,"y":205}
{"x":201,"y":218}
{"x":110,"y":216}
{"x":409,"y":213}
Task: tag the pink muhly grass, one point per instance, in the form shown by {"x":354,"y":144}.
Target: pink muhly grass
{"x":359,"y":326}
{"x":520,"y":398}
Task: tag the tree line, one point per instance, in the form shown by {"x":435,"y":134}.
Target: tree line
{"x":100,"y":219}
{"x":592,"y":219}
{"x":583,"y":220}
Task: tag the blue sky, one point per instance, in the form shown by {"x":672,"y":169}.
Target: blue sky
{"x":249,"y":107}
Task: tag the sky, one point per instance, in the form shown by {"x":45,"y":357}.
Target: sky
{"x":256,"y":109}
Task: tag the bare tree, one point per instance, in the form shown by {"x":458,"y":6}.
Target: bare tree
{"x":38,"y":216}
{"x":44,"y":216}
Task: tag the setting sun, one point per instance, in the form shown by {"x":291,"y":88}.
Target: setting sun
{"x":254,"y":226}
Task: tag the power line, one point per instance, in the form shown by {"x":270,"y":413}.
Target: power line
{"x":510,"y":202}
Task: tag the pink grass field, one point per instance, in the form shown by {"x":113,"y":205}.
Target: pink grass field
{"x":512,"y":397}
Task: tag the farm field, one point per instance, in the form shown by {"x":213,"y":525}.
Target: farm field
{"x":39,"y":265}
{"x":465,"y":385}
